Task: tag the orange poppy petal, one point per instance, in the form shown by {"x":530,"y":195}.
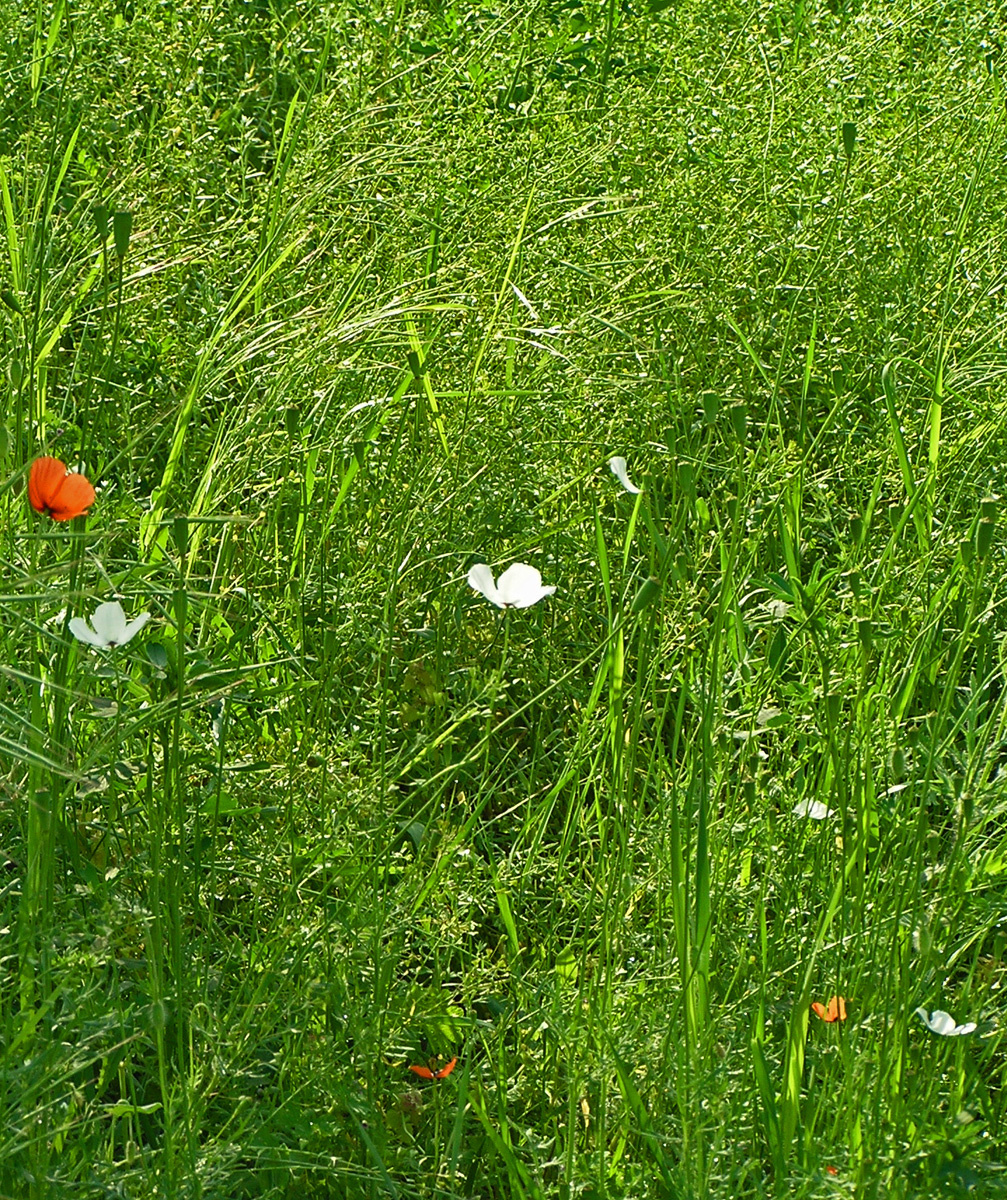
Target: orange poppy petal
{"x":74,"y":496}
{"x":46,"y":476}
{"x":836,"y":1010}
{"x":426,"y":1073}
{"x":59,"y":495}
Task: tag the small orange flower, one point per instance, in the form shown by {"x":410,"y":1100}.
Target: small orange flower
{"x":427,"y":1073}
{"x":57,"y":493}
{"x":835,"y":1012}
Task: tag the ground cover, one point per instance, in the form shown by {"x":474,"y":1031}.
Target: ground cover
{"x":690,"y":870}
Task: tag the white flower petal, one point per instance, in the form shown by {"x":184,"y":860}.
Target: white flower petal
{"x":814,"y":809}
{"x":108,"y":626}
{"x":83,"y":632}
{"x":109,"y":622}
{"x":937,"y":1022}
{"x":944,"y":1023}
{"x":134,"y":627}
{"x":617,"y":466}
{"x":520,"y":586}
{"x":481,"y":578}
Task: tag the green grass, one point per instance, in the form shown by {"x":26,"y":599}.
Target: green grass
{"x":400,"y":280}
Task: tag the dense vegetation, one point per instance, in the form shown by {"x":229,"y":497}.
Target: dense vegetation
{"x":332,"y":301}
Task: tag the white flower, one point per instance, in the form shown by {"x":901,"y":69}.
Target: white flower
{"x":944,"y":1023}
{"x":108,"y":626}
{"x":814,"y":809}
{"x":618,"y":468}
{"x":520,"y":586}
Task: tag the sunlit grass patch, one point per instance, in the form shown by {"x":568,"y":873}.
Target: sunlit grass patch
{"x":681,"y":874}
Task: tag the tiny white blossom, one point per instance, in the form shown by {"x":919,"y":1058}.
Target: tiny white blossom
{"x":944,"y":1023}
{"x":617,"y":465}
{"x":814,"y":809}
{"x":520,"y":586}
{"x":108,"y":627}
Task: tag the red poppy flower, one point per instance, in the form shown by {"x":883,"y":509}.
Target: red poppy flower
{"x":57,"y":493}
{"x":427,"y":1073}
{"x":835,"y":1012}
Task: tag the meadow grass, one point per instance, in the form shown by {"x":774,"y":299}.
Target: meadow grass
{"x":396,"y":281}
